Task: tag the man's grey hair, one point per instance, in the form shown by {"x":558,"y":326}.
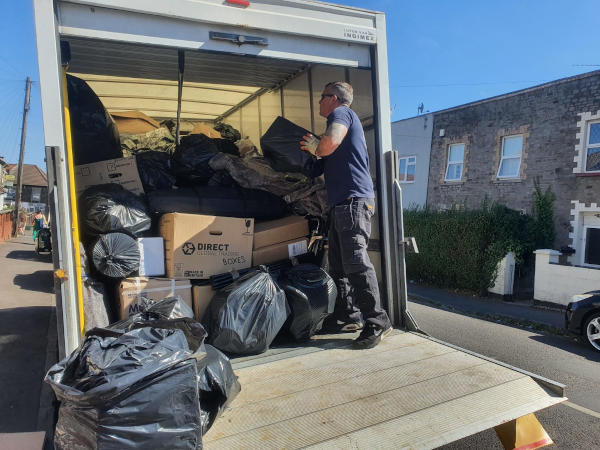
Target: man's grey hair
{"x":343,"y":91}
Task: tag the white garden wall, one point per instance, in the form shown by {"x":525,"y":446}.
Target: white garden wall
{"x":557,"y":283}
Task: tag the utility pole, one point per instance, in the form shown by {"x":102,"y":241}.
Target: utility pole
{"x":21,"y":157}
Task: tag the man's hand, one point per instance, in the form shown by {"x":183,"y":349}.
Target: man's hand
{"x":310,"y":143}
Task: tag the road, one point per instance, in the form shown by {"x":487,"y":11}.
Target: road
{"x":554,"y":357}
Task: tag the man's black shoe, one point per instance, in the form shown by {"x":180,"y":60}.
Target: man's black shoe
{"x":370,"y":337}
{"x":333,"y":326}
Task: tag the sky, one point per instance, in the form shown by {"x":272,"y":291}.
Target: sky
{"x":441,"y":53}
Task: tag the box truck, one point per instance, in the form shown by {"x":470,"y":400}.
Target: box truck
{"x":245,"y":63}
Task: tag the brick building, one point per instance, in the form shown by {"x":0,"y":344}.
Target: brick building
{"x":499,"y":146}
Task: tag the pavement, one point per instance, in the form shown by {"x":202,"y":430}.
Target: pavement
{"x":521,"y":310}
{"x":27,"y":317}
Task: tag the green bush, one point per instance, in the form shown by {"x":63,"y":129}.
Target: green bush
{"x":462,"y":248}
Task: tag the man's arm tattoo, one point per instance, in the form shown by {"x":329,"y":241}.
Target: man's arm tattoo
{"x":337,"y":132}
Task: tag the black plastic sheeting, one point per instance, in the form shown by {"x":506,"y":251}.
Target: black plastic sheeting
{"x":93,"y":132}
{"x":110,"y":207}
{"x":310,"y":293}
{"x":245,"y":317}
{"x":116,"y":255}
{"x":219,"y":201}
{"x":170,"y":313}
{"x":155,"y":170}
{"x":135,"y":391}
{"x":217,"y":383}
{"x":281,"y":146}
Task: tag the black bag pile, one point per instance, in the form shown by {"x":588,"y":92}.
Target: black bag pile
{"x":310,"y":293}
{"x":245,"y":317}
{"x":135,"y":391}
{"x":94,"y":133}
{"x":110,"y":207}
{"x":281,"y":145}
{"x":219,"y":201}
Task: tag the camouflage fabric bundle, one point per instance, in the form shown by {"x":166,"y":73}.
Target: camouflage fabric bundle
{"x":160,"y":140}
{"x":303,"y":194}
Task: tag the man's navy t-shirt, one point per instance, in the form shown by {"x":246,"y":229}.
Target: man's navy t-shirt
{"x":347,"y":168}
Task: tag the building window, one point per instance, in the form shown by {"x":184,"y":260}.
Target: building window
{"x":406,"y":169}
{"x":510,"y":159}
{"x":456,"y":156}
{"x":592,"y":246}
{"x":36,"y":194}
{"x":592,"y":155}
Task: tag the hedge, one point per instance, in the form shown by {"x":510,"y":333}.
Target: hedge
{"x":462,"y":248}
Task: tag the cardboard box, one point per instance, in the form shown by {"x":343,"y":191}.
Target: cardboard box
{"x":280,"y":251}
{"x":131,"y":290}
{"x":152,"y":257}
{"x":121,"y":171}
{"x":134,"y":122}
{"x":202,"y":296}
{"x":198,"y":246}
{"x":280,"y":230}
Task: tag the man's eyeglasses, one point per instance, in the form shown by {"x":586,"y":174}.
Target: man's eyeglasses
{"x":327,"y":95}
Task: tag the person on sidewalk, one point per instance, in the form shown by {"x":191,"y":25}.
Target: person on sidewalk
{"x":343,"y":158}
{"x":39,"y":222}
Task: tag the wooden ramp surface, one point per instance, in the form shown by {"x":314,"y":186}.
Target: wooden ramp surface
{"x":408,"y":392}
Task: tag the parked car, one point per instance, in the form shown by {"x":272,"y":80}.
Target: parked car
{"x":583,"y":317}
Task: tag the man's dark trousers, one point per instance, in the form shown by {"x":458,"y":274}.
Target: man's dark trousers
{"x":350,"y":266}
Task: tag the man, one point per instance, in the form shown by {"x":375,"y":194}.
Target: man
{"x":343,"y":158}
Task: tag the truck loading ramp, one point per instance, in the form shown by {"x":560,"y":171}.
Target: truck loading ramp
{"x":408,"y":392}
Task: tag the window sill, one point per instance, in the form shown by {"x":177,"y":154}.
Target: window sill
{"x":588,"y":174}
{"x":452,"y":182}
{"x":507,"y":180}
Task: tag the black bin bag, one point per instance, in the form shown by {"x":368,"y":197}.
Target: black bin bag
{"x":281,"y":146}
{"x":170,"y":313}
{"x":191,"y":157}
{"x":155,"y":170}
{"x":135,"y":391}
{"x":94,"y":133}
{"x":116,"y":255}
{"x":217,"y":383}
{"x":310,"y":293}
{"x":110,"y":207}
{"x":245,"y":317}
{"x":219,"y":201}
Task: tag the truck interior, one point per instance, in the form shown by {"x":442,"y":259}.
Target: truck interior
{"x":245,"y":91}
